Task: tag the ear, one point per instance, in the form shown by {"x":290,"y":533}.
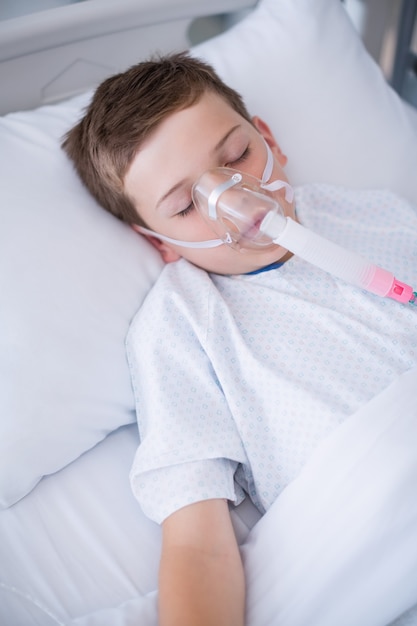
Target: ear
{"x":263,"y":128}
{"x":167,"y":253}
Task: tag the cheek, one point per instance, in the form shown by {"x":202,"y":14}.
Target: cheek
{"x":192,"y":227}
{"x":212,"y":260}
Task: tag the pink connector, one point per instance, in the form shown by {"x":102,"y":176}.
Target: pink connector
{"x":400,"y":291}
{"x":383,"y":283}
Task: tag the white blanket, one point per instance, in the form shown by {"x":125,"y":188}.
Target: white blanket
{"x":340,"y":544}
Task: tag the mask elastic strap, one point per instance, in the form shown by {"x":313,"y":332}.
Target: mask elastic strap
{"x":211,"y":243}
{"x":275,"y":185}
{"x":269,"y":165}
{"x":280,"y":184}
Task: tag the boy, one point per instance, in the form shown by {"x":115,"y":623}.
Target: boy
{"x":242,"y":360}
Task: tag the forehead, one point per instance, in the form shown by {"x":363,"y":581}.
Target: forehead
{"x":179,"y":147}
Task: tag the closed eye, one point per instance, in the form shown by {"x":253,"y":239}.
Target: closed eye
{"x":187,"y":210}
{"x":245,"y":155}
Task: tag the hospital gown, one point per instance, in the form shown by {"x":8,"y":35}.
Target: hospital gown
{"x":237,"y":379}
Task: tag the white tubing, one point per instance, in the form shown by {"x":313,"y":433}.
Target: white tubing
{"x":326,"y":255}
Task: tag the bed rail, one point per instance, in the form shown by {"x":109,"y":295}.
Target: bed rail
{"x":53,"y":54}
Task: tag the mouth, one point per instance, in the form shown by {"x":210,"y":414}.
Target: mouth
{"x":254,"y":228}
{"x":246,"y":231}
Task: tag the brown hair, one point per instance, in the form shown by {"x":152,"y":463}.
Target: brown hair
{"x":124,"y":110}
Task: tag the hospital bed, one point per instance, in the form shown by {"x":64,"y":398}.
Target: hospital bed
{"x":75,"y":548}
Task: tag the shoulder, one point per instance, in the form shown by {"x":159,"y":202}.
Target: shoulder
{"x":318,"y":200}
{"x":179,"y":294}
{"x":314,"y":194}
{"x":178,"y":281}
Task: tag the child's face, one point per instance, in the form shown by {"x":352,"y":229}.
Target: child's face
{"x":206,"y":135}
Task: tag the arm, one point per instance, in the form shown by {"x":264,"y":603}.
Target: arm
{"x":201,"y":574}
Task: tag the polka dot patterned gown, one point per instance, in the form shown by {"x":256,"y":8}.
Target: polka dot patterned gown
{"x":238,"y":378}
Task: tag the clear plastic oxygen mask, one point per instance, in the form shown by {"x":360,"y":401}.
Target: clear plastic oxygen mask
{"x":244,"y":215}
{"x":234,"y":206}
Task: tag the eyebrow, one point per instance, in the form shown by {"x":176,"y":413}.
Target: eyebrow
{"x":216,"y":148}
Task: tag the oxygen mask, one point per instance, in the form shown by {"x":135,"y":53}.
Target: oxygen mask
{"x":235,"y":204}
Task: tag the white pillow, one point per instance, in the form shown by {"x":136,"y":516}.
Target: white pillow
{"x":72,"y":277}
{"x":301,"y":66}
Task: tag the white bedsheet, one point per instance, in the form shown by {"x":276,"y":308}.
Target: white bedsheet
{"x":340,"y":544}
{"x":78,"y":541}
{"x":79,"y":547}
{"x":338,"y":547}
